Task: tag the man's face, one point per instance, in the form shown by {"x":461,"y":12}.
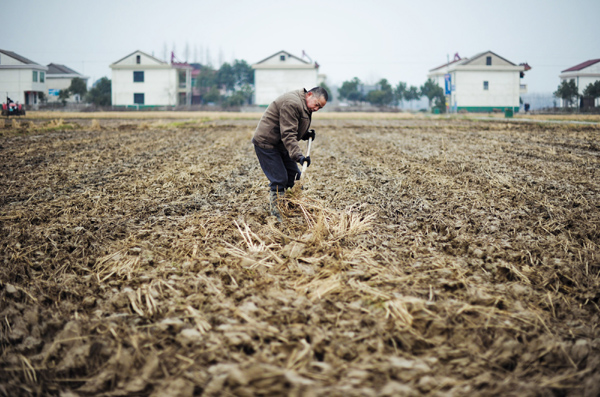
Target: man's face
{"x":314,"y":103}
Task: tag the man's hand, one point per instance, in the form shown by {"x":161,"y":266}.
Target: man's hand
{"x":303,"y":159}
{"x":310,"y":134}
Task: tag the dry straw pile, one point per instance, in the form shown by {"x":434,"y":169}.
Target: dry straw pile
{"x":423,"y":257}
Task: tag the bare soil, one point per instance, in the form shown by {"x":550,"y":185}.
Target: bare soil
{"x":423,"y":257}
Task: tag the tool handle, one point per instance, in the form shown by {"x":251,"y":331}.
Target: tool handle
{"x":305,"y":164}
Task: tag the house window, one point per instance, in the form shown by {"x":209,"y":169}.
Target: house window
{"x":138,"y":59}
{"x":138,"y":99}
{"x":282,"y":57}
{"x":138,"y":77}
{"x":488,"y":61}
{"x":35,"y":76}
{"x":486,"y":85}
{"x":42,"y":77}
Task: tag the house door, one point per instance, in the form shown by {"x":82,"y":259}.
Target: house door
{"x":30,"y":98}
{"x":587,"y":102}
{"x":182,"y":99}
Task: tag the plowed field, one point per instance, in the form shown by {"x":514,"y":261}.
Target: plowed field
{"x":424,"y":256}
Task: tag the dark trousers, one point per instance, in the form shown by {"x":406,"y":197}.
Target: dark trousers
{"x":278,"y":166}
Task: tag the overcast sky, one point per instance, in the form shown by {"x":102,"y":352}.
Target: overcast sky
{"x":397,"y":40}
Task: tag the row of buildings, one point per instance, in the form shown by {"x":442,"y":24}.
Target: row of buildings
{"x":26,"y":81}
{"x":488,"y":81}
{"x":142,"y":80}
{"x":482,"y":83}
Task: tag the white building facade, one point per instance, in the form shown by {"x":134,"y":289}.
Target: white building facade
{"x":484,"y":83}
{"x":141,"y":80}
{"x":59,"y":77}
{"x":584,"y":74}
{"x":280,"y":73}
{"x":21,"y":79}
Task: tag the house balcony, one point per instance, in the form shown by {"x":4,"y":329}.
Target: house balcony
{"x":523,"y":88}
{"x":182,"y":87}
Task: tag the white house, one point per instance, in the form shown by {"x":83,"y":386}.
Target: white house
{"x":483,"y":83}
{"x":21,"y":79}
{"x":583,"y":74}
{"x":141,"y":80}
{"x":59,"y":77}
{"x":280,"y":73}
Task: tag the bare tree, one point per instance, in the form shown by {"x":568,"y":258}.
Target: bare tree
{"x":165,"y":51}
{"x":208,"y":61}
{"x":221,"y":57}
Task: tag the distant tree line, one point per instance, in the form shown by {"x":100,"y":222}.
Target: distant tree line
{"x":384,"y":95}
{"x":101,"y":93}
{"x":230,"y":85}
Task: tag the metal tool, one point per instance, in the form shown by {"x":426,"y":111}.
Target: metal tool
{"x":305,"y":164}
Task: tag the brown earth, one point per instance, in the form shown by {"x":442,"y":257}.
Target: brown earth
{"x":423,"y":257}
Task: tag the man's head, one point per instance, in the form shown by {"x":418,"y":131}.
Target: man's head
{"x":316,"y":98}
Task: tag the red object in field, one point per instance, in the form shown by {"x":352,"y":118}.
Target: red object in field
{"x":12,"y":109}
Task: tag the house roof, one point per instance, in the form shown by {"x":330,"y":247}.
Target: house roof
{"x":467,"y":61}
{"x":54,"y":68}
{"x":18,"y":57}
{"x":526,"y":66}
{"x":450,"y":63}
{"x":285,"y":52}
{"x":182,"y":65}
{"x":141,"y":52}
{"x":487,"y":52}
{"x":582,"y":65}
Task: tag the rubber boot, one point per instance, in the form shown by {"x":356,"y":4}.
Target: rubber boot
{"x":273,"y":198}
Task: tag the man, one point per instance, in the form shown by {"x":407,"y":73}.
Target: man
{"x":284,"y":123}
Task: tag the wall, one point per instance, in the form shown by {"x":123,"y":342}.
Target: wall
{"x":16,"y":81}
{"x":482,"y":61}
{"x":271,"y":83}
{"x":503,"y":89}
{"x":159,"y":87}
{"x":57,"y":84}
{"x":9,"y":61}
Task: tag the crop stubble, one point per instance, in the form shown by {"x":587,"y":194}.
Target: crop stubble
{"x":424,"y":256}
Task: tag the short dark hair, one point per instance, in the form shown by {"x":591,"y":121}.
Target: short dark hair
{"x":320,"y":92}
